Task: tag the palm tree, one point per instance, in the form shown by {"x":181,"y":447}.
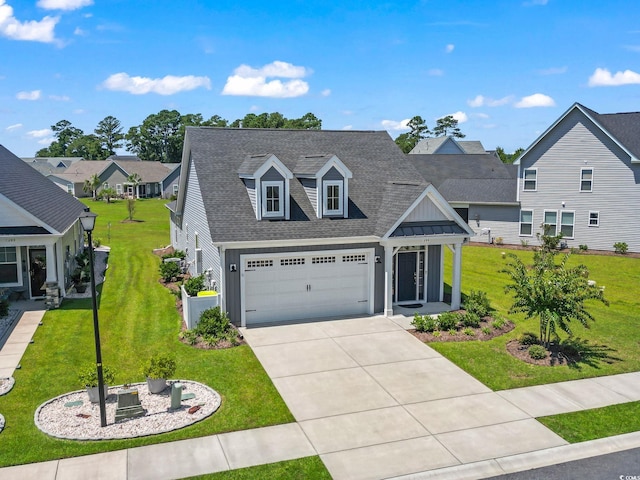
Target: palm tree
{"x":134,"y":180}
{"x":91,"y":184}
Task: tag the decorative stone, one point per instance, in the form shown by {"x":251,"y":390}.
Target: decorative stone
{"x":77,"y":403}
{"x":1,"y":423}
{"x":6,"y":384}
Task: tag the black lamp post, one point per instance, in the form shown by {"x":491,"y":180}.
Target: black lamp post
{"x":88,"y":220}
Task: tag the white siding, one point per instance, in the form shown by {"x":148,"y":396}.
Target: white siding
{"x":195,"y":220}
{"x":12,"y":217}
{"x":497,"y":221}
{"x":574,"y":144}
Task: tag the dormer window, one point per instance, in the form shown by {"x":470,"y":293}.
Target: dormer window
{"x":272,"y":193}
{"x":333,"y":197}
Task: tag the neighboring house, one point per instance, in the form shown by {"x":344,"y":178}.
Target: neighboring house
{"x":447,"y":146}
{"x":39,"y":232}
{"x":115,"y":174}
{"x":51,"y":165}
{"x":295,"y":224}
{"x":171,"y":183}
{"x":582,"y":178}
{"x":481,"y":189}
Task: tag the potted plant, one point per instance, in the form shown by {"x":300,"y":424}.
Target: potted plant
{"x":82,"y":273}
{"x":88,"y":377}
{"x":157,"y":370}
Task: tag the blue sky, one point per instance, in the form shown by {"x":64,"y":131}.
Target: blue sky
{"x":506,"y":69}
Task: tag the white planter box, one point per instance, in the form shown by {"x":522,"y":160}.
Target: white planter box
{"x":192,"y":307}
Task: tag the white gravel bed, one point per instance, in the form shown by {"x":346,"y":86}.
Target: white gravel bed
{"x":83,"y":422}
{"x":6,"y":384}
{"x":1,"y":423}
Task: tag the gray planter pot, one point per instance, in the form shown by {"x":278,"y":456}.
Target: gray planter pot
{"x":156,"y":385}
{"x":94,"y":395}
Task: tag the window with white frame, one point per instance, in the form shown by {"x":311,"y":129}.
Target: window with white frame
{"x":526,"y":222}
{"x":594,"y":219}
{"x":272,"y":199}
{"x":119,"y":188}
{"x":105,"y":185}
{"x":566,"y":224}
{"x":8,"y":266}
{"x":332,"y":204}
{"x":586,"y":179}
{"x":175,"y":189}
{"x":550,"y":222}
{"x":70,"y":188}
{"x":530,"y":179}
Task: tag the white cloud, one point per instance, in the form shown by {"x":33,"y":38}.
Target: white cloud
{"x":32,"y":95}
{"x":553,"y":71}
{"x":36,"y":31}
{"x":46,"y":141}
{"x":79,"y":111}
{"x":461,"y":117}
{"x":435,"y":72}
{"x":395,"y":125}
{"x":13,"y":127}
{"x":39,"y":133}
{"x":168,"y":85}
{"x":253,"y":81}
{"x":536,"y":100}
{"x":59,"y":98}
{"x":480,"y":115}
{"x":347,"y":127}
{"x":603,"y":78}
{"x":64,"y":4}
{"x":482,"y":101}
{"x":449,"y":48}
{"x":80,"y":32}
{"x":326,"y":92}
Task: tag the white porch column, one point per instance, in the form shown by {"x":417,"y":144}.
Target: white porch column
{"x":388,"y":276}
{"x":51,"y":263}
{"x":456,"y":276}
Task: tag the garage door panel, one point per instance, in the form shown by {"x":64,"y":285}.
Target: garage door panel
{"x":299,"y":286}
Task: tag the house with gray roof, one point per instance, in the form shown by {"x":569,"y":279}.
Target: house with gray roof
{"x":481,"y":189}
{"x":298,"y":224}
{"x":448,"y":146}
{"x":40,"y":233}
{"x":156,"y":179}
{"x":581,"y":177}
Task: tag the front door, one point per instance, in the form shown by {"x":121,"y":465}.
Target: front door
{"x":407,"y":276}
{"x":38,"y":271}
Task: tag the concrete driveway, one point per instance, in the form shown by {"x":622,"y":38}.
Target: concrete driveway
{"x":375,"y":402}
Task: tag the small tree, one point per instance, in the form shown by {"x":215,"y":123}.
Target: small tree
{"x":131,"y":207}
{"x":91,"y":185}
{"x":552,"y":292}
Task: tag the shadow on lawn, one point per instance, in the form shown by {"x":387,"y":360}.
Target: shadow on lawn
{"x":581,"y":352}
{"x":82,"y":303}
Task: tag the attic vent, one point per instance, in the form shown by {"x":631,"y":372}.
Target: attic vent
{"x":314,"y":156}
{"x":406,"y":182}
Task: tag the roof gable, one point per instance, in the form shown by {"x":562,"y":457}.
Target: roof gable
{"x":40,"y":198}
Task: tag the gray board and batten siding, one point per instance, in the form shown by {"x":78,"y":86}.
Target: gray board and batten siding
{"x":559,"y":156}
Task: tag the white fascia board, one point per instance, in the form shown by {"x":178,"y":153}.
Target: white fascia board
{"x":274,"y":162}
{"x":440,"y":202}
{"x":30,"y":216}
{"x":29,"y":240}
{"x":443,"y":239}
{"x":296,"y":242}
{"x":184,"y":173}
{"x":334,"y":161}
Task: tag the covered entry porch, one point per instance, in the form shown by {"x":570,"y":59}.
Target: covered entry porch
{"x":414,"y":269}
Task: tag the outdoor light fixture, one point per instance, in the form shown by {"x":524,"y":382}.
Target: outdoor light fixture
{"x":88,"y":221}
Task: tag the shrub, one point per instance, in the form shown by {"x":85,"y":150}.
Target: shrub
{"x":469,"y":331}
{"x":213,"y":323}
{"x":4,"y":308}
{"x":448,"y":320}
{"x":477,"y":303}
{"x":471,"y":320}
{"x":424,"y":323}
{"x":537,"y":352}
{"x":528,"y":338}
{"x":88,"y":375}
{"x":584,"y":248}
{"x":437,"y":333}
{"x":499,"y":323}
{"x":453,"y":331}
{"x":621,"y":247}
{"x":524,"y":243}
{"x":160,"y":366}
{"x":190,"y":336}
{"x":169,"y":270}
{"x":486,"y":330}
{"x":498,"y":240}
{"x":176,"y":254}
{"x":194,"y":285}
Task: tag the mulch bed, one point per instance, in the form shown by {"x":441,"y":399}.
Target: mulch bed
{"x":460,"y":336}
{"x":555,"y":358}
{"x":605,"y":253}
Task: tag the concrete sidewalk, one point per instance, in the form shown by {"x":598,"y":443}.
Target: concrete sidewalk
{"x":13,"y":349}
{"x":373,"y":402}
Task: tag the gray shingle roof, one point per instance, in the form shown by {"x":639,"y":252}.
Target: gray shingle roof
{"x":480,"y":178}
{"x":373,"y":158}
{"x":28,"y":189}
{"x":625,"y":127}
{"x":430,"y":146}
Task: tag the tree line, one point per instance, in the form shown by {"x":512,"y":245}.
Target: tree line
{"x":160,"y":136}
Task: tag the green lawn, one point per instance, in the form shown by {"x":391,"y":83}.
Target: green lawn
{"x":615,"y":329}
{"x":137,"y":318}
{"x":302,"y":469}
{"x":596,"y":423}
